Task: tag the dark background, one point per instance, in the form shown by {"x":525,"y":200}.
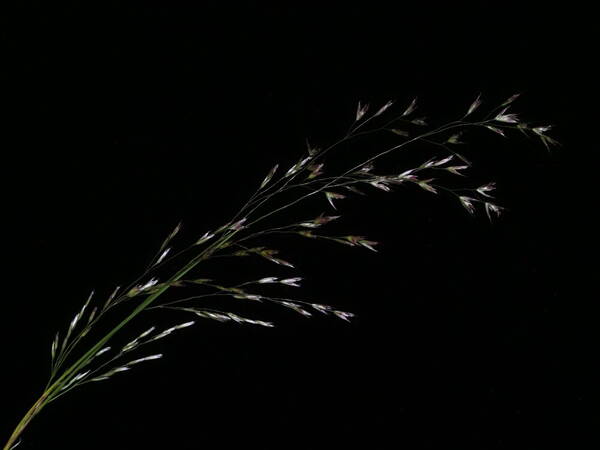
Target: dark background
{"x":122,"y":119}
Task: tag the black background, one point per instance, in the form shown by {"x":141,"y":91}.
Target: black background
{"x":123,"y":119}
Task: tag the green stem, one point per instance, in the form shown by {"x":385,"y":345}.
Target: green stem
{"x":36,"y":408}
{"x":64,"y":378}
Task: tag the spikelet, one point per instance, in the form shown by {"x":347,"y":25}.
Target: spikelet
{"x":474,"y":106}
{"x":410,"y":109}
{"x":269,"y":176}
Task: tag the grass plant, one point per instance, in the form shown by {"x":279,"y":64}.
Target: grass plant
{"x":80,"y":355}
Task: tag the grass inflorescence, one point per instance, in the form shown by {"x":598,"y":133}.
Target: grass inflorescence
{"x":246,"y":234}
